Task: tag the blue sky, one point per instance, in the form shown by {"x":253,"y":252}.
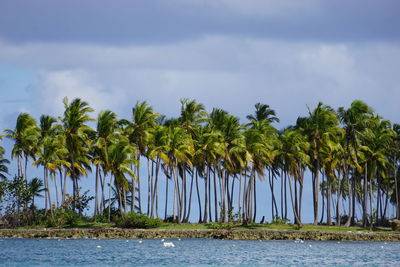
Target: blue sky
{"x":224,"y":53}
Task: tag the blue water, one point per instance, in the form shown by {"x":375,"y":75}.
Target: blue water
{"x":194,"y":252}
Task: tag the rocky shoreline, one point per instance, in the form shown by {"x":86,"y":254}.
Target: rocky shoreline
{"x":234,"y":234}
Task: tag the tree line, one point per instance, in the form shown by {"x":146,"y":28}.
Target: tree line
{"x":211,"y":160}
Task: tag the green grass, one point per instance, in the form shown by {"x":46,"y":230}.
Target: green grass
{"x":189,"y":226}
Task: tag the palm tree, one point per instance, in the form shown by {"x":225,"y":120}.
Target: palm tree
{"x":35,"y":187}
{"x":47,"y":154}
{"x":24,"y":136}
{"x":395,"y":158}
{"x":263,"y":112}
{"x":320,"y":126}
{"x":158,"y":153}
{"x":143,"y":119}
{"x":104,"y":135}
{"x":295,"y":158}
{"x":354,"y":120}
{"x":179,"y":153}
{"x":76,"y":141}
{"x":120,"y":161}
{"x":3,"y":165}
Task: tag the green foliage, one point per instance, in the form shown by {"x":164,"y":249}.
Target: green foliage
{"x":218,"y":225}
{"x":61,"y":218}
{"x":137,"y":220}
{"x":81,"y":202}
{"x":101,"y":218}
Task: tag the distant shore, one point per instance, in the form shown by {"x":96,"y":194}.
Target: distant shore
{"x":234,"y":234}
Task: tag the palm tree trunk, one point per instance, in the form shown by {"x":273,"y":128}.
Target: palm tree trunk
{"x":166,"y":198}
{"x":190,"y":197}
{"x":155,"y":190}
{"x":215,"y":195}
{"x":371,"y":201}
{"x":64,"y":189}
{"x":301,"y":193}
{"x":198,"y":195}
{"x":184,"y":192}
{"x":61,"y":186}
{"x":365,"y":219}
{"x":338,"y":200}
{"x":206,"y":179}
{"x":316,"y":194}
{"x":328,"y":200}
{"x":56,"y":189}
{"x":209,"y":196}
{"x":285,"y":195}
{"x":48,"y":191}
{"x":282,"y":179}
{"x":138,"y":182}
{"x":109,"y":199}
{"x":149,"y":186}
{"x":396,"y":188}
{"x":296,"y":216}
{"x":46,"y":205}
{"x":96,"y":196}
{"x":240,"y":194}
{"x":255,"y":197}
{"x":26,"y":170}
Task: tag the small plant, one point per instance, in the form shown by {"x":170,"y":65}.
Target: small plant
{"x":218,"y":225}
{"x":137,"y":220}
{"x":279,"y":220}
{"x":101,"y":218}
{"x":61,"y":218}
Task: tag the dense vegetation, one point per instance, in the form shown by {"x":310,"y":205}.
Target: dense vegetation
{"x":352,"y":155}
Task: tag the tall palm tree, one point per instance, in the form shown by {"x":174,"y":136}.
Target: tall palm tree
{"x":395,"y":158}
{"x":179,"y":153}
{"x":25,"y":136}
{"x":76,"y":131}
{"x":319,"y":126}
{"x":120,"y":161}
{"x":354,"y":120}
{"x":143,"y":120}
{"x":104,"y":136}
{"x":295,"y":158}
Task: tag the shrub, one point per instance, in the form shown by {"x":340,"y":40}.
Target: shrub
{"x":137,"y":220}
{"x":61,"y":218}
{"x":101,"y":218}
{"x":218,"y":225}
{"x":279,"y":220}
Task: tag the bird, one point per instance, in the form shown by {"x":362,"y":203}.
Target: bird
{"x":162,"y":240}
{"x":168,"y":245}
{"x":299,"y":241}
{"x":140,"y":241}
{"x":98,"y":246}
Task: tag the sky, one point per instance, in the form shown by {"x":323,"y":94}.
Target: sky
{"x":229,"y":54}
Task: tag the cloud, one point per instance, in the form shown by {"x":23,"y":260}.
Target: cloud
{"x":219,"y":71}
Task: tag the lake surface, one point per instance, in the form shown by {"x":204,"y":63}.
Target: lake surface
{"x":194,"y":252}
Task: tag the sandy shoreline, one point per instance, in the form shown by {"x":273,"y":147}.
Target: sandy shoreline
{"x":234,"y":234}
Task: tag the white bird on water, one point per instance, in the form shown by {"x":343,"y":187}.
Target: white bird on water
{"x":299,"y":241}
{"x":168,"y":245}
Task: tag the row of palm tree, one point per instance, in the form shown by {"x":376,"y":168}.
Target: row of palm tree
{"x":215,"y":160}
